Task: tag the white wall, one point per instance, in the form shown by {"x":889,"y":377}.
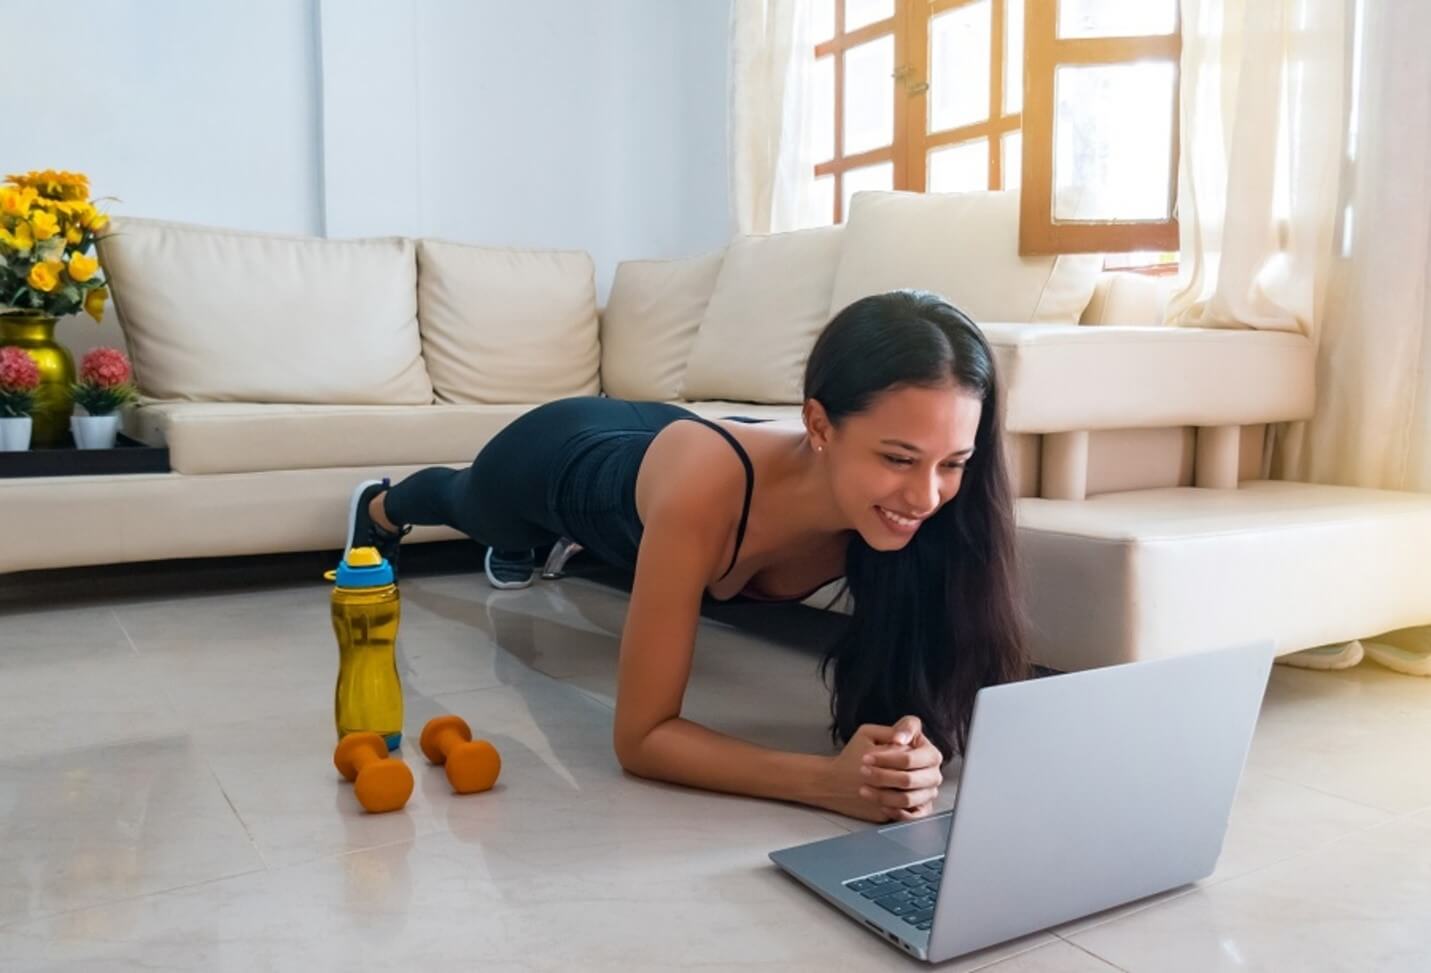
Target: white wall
{"x":197,"y":111}
{"x":596,"y":126}
{"x":590,"y":124}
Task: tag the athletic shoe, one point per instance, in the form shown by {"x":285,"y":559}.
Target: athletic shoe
{"x":1343,"y":655}
{"x":363,"y":531}
{"x":510,"y":569}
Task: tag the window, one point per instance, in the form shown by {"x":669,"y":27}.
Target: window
{"x":966,"y":94}
{"x":857,"y":109}
{"x":1101,"y":126}
{"x":929,"y":95}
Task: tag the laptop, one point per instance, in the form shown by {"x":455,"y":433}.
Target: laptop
{"x":1078,"y":793}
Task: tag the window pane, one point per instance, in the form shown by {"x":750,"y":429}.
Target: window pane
{"x":822,"y":17}
{"x":959,"y":168}
{"x":1116,"y":18}
{"x":959,"y":42}
{"x":869,"y":95}
{"x":823,"y":124}
{"x":858,"y":13}
{"x":1112,"y":141}
{"x":1013,"y":161}
{"x":879,"y":176}
{"x":1013,"y":56}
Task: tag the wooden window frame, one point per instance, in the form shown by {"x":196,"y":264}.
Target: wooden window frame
{"x":909,"y":152}
{"x":919,"y":141}
{"x":836,"y":48}
{"x":1044,"y":53}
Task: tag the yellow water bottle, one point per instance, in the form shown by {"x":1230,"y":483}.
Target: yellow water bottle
{"x":365,"y":611}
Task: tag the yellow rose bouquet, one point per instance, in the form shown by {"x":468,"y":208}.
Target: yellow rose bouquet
{"x":48,"y":226}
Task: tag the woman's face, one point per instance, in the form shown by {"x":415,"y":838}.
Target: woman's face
{"x":895,"y":464}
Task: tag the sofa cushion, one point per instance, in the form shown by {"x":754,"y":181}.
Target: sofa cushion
{"x":146,"y":517}
{"x":504,"y":326}
{"x":718,"y":409}
{"x":1154,"y":573}
{"x":237,"y":437}
{"x":771,"y":301}
{"x":963,"y":246}
{"x":1121,"y":297}
{"x":649,"y":325}
{"x":224,"y":315}
{"x":1059,"y":378}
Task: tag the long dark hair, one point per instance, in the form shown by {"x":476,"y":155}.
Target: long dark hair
{"x":940,"y":618}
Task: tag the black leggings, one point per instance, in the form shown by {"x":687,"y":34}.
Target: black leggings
{"x":503,"y":499}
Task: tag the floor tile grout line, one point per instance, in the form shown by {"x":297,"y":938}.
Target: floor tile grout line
{"x":248,"y":833}
{"x":129,"y":639}
{"x":1127,"y":915}
{"x":163,"y":690}
{"x":1296,"y":856}
{"x":1009,"y":957}
{"x":1101,"y":959}
{"x":1340,"y":797}
{"x":218,"y":782}
{"x":11,"y":924}
{"x":171,"y":890}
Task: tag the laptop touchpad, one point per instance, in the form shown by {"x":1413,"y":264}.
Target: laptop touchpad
{"x":926,"y":838}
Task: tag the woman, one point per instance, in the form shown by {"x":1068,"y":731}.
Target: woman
{"x":899,"y":420}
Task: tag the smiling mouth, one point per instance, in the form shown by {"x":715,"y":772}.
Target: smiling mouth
{"x":898,"y":520}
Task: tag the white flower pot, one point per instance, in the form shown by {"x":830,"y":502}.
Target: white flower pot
{"x":15,"y":434}
{"x":94,"y":432}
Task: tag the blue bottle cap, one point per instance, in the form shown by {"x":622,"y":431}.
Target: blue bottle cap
{"x":363,"y":567}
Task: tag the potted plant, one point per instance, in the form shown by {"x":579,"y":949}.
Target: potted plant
{"x":19,"y":377}
{"x":103,"y":387}
{"x":48,"y":227}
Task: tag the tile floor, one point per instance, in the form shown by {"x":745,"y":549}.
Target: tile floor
{"x":167,"y":802}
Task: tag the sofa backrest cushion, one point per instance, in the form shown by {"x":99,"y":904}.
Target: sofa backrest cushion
{"x":771,"y":300}
{"x":649,"y":324}
{"x":1120,"y":297}
{"x":225,"y":315}
{"x":963,"y":246}
{"x":507,"y":326}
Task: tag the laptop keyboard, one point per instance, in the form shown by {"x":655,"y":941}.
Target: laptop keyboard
{"x":908,"y":892}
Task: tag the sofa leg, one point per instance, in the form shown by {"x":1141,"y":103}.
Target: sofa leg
{"x":563,"y":551}
{"x":1063,"y":465}
{"x":1217,"y":455}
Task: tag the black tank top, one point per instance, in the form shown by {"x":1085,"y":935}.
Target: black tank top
{"x":593,"y":494}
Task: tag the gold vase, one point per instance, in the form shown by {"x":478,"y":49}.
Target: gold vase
{"x":54,"y":400}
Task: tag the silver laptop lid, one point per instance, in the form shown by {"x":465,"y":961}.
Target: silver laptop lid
{"x":1083,"y":791}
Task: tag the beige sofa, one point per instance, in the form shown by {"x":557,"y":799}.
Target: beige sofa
{"x":280,"y":371}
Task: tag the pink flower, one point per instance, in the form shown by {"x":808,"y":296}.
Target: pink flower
{"x":18,"y":371}
{"x":104,"y":367}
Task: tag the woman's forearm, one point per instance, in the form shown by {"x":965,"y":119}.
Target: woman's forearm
{"x":687,"y":753}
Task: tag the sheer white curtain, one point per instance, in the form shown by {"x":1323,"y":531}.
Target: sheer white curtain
{"x":772,"y":59}
{"x":1263,"y":135}
{"x":1373,"y":422}
{"x":1305,"y":205}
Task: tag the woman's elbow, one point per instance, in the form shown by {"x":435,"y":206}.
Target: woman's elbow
{"x":630,"y":747}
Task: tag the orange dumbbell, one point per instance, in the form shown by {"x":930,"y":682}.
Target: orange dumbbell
{"x":472,"y":765}
{"x":382,"y":783}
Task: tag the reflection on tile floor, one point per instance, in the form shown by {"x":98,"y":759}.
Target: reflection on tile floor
{"x":167,"y":801}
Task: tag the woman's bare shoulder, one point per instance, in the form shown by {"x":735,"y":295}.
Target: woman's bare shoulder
{"x":690,"y":467}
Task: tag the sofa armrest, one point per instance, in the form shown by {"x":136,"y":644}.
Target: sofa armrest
{"x":1066,"y":378}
